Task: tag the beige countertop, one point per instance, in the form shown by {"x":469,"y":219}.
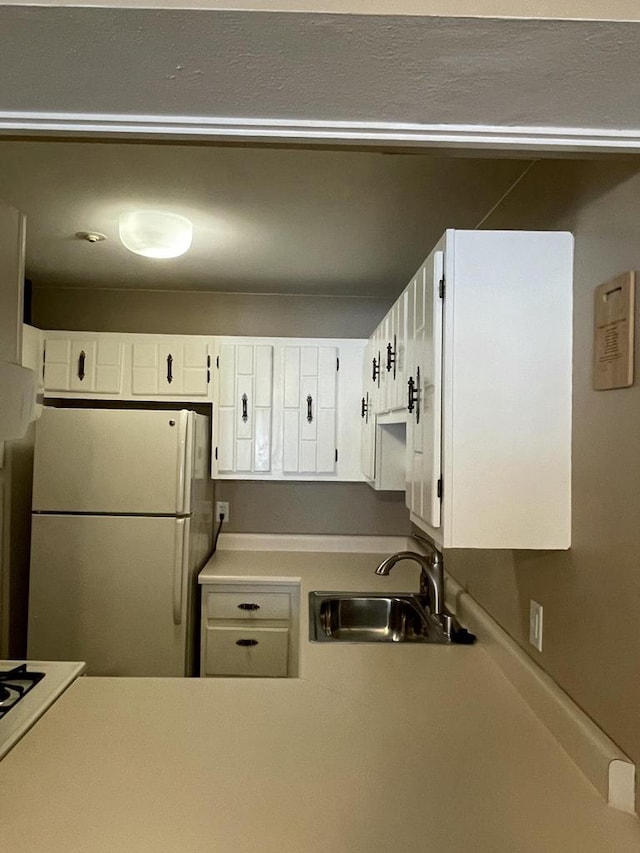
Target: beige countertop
{"x":373,"y":748}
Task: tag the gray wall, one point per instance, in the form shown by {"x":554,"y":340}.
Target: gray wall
{"x":198,"y":313}
{"x":256,"y":507}
{"x":591,"y":593}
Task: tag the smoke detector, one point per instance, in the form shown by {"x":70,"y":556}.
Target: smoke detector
{"x":91,"y":236}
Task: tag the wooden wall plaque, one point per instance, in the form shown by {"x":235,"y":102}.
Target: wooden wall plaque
{"x":613,"y":332}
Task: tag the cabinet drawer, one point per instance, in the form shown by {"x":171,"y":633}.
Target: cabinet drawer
{"x":240,"y":605}
{"x":246,"y":651}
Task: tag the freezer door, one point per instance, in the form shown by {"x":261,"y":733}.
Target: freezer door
{"x":113,"y":461}
{"x":112,"y":591}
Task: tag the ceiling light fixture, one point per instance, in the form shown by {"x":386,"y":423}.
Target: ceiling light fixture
{"x":155,"y":233}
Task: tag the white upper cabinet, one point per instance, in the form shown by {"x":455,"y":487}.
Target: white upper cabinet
{"x":170,"y":366}
{"x":394,"y":356}
{"x":367,"y":416}
{"x":244,"y":408}
{"x":487,"y":392}
{"x":424,"y":392}
{"x":90,"y":364}
{"x":309,"y":404}
{"x":287,"y":409}
{"x":109,"y":365}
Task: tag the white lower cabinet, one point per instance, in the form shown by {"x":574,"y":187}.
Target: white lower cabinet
{"x":261,"y":652}
{"x":249,"y":629}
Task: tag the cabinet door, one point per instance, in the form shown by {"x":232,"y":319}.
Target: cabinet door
{"x":309,"y":423}
{"x":367,"y":416}
{"x":170,"y":367}
{"x":69,"y":364}
{"x":83,"y":364}
{"x":245,"y":395}
{"x":396,"y":355}
{"x":377,"y":370}
{"x":425,"y":370}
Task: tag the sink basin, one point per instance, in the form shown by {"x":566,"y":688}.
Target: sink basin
{"x":357,"y":617}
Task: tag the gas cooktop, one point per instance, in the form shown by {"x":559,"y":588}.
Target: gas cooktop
{"x":27,"y":690}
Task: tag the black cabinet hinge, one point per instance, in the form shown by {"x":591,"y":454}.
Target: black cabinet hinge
{"x":440,"y":488}
{"x":443,"y":288}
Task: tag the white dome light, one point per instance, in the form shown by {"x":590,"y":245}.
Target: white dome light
{"x":155,"y":233}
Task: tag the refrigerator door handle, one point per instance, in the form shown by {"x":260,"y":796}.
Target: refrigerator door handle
{"x":183,"y":472}
{"x":178,"y":567}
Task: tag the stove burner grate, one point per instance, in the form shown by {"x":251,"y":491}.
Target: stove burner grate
{"x":14,"y":685}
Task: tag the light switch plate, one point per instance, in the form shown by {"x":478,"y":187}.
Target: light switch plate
{"x":535,"y":624}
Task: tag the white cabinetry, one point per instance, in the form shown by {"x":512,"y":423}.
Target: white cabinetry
{"x":245,"y":397}
{"x":250,"y":629}
{"x":309,"y":404}
{"x":113,"y":366}
{"x":287,"y":409}
{"x":87,"y":364}
{"x":170,"y":366}
{"x":487,"y":378}
{"x":424,"y":388}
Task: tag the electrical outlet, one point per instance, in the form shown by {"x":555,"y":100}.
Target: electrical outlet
{"x":535,"y":624}
{"x":222,"y":508}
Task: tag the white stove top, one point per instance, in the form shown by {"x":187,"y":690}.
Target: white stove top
{"x":58,"y":675}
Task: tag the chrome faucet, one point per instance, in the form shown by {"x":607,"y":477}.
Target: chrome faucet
{"x":431,"y":573}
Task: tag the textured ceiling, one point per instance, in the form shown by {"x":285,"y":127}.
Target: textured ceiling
{"x":267,"y":220}
{"x":326,"y":67}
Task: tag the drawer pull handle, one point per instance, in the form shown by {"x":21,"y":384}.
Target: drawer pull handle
{"x":248,"y":607}
{"x":81,"y":360}
{"x":169,"y":368}
{"x":245,"y":414}
{"x":246,"y":642}
{"x":309,"y":408}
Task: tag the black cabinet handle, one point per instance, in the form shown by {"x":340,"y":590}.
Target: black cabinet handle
{"x":81,"y":360}
{"x":246,"y":642}
{"x":244,"y":606}
{"x":392,"y":356}
{"x":376,"y":369}
{"x":364,"y":409}
{"x":309,"y":408}
{"x":412,"y":395}
{"x":245,"y":414}
{"x":169,"y":368}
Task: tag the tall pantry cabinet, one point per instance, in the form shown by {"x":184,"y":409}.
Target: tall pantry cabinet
{"x":487,"y":413}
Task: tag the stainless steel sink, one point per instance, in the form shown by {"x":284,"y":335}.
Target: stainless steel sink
{"x":369,"y":617}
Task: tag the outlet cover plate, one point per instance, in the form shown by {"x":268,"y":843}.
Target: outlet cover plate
{"x":222,"y":508}
{"x":535,"y":624}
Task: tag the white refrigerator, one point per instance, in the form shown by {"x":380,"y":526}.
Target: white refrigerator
{"x":122,"y":523}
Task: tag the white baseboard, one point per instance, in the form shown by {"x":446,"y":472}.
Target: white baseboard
{"x":610,"y":771}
